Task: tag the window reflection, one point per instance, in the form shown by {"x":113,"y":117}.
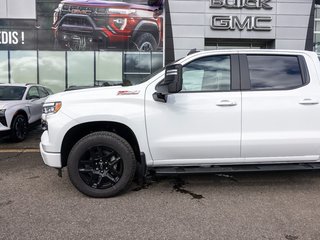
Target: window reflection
{"x":23,"y":66}
{"x":274,"y":72}
{"x":80,"y":68}
{"x":207,"y":74}
{"x":52,"y":67}
{"x":83,"y":68}
{"x":137,"y":65}
{"x":4,"y":67}
{"x":108,"y":68}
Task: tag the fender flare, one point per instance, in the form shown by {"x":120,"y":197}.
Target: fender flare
{"x":146,"y":26}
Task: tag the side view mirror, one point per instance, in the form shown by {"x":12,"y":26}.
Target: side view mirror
{"x":32,"y":98}
{"x":172,"y":83}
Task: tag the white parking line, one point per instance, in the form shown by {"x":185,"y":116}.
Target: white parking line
{"x":22,"y":150}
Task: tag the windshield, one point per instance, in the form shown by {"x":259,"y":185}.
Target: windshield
{"x":10,"y":93}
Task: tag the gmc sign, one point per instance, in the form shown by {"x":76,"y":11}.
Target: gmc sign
{"x":238,"y":4}
{"x":251,"y":23}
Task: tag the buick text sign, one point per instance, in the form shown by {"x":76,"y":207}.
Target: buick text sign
{"x":250,"y":23}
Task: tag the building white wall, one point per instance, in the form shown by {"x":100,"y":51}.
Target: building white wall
{"x":191,"y":24}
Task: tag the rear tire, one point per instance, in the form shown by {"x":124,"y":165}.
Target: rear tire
{"x":101,"y":165}
{"x":19,"y":128}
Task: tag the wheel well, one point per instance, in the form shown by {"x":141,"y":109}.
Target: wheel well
{"x":22,"y":112}
{"x":146,"y":27}
{"x":79,"y":131}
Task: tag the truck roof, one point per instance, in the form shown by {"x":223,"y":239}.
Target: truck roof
{"x":245,"y":51}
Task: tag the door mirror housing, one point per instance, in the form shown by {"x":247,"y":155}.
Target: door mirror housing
{"x":172,"y":83}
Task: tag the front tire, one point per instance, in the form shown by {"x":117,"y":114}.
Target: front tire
{"x":19,"y":128}
{"x":146,"y":42}
{"x":101,"y":164}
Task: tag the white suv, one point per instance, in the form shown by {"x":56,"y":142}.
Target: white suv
{"x":20,"y":105}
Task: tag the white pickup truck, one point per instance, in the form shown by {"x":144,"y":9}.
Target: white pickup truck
{"x":234,"y":110}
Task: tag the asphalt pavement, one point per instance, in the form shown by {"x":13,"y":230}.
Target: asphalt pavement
{"x":31,"y":142}
{"x":37,"y":204}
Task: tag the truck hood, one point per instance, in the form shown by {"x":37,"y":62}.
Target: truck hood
{"x":95,"y":94}
{"x":108,"y":4}
{"x":8,"y":104}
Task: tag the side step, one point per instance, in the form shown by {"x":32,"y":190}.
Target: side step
{"x":235,"y":168}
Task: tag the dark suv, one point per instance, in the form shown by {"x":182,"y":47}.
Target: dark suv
{"x":101,"y":24}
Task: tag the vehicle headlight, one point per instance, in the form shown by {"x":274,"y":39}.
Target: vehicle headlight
{"x":51,"y":107}
{"x":120,"y":23}
{"x":2,"y":112}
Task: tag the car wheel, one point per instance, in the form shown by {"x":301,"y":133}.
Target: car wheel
{"x":19,"y":128}
{"x":101,"y":164}
{"x":146,"y":42}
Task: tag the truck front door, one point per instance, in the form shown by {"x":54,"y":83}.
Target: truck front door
{"x":202,"y":123}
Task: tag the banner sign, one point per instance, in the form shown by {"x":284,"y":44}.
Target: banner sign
{"x":87,"y":25}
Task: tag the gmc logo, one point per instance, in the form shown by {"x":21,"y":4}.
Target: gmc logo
{"x":255,"y":23}
{"x":238,"y":4}
{"x":77,"y":11}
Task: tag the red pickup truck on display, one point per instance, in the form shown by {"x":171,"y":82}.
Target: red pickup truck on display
{"x":100,"y":24}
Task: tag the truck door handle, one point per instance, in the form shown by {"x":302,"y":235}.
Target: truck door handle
{"x":308,"y":101}
{"x":226,"y":103}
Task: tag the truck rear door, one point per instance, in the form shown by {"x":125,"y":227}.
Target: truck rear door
{"x":280,"y":108}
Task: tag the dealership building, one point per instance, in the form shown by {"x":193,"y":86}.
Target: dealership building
{"x":28,"y":52}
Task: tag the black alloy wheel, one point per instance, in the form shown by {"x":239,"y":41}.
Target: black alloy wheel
{"x":19,"y":128}
{"x":101,"y":164}
{"x":100,"y":167}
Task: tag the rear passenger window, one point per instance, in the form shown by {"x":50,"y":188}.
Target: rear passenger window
{"x":269,"y":72}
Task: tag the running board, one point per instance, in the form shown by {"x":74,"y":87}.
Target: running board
{"x":235,"y":168}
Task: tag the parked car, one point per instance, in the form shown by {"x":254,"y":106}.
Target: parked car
{"x":215,"y":111}
{"x":20,"y":106}
{"x":92,"y":25}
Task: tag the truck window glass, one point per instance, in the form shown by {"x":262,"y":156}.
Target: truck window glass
{"x":207,"y":74}
{"x":274,"y":72}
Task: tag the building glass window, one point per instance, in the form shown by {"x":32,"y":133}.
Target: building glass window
{"x":216,"y":44}
{"x":80,"y":68}
{"x":316,"y":39}
{"x":59,"y":70}
{"x":52,"y":70}
{"x":108,"y":68}
{"x":137,"y":66}
{"x":23,"y":66}
{"x":4,"y":78}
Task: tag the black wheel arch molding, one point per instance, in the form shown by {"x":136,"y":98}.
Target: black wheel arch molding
{"x":77,"y":132}
{"x":22,"y":112}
